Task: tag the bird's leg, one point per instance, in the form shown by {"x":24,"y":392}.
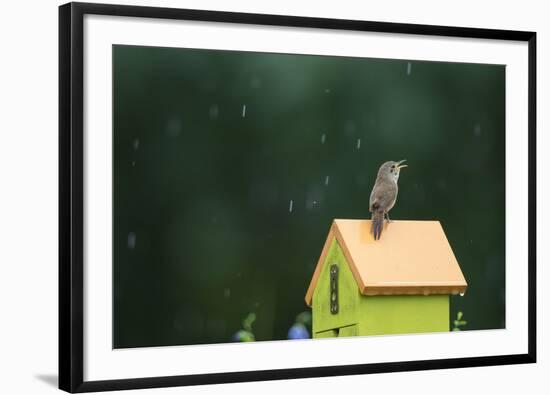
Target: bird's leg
{"x":387,"y":217}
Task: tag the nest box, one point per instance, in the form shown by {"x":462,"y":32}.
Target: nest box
{"x":398,"y":284}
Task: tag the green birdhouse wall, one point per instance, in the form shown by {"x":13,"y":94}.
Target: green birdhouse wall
{"x":398,"y":284}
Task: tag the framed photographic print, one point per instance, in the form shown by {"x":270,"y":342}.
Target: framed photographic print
{"x":257,"y":197}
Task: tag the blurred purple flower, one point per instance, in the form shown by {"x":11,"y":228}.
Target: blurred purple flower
{"x":298,"y":331}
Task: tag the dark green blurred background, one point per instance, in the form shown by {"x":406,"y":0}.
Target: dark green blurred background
{"x":229,"y":168}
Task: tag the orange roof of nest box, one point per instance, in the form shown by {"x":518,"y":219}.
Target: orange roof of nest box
{"x":411,"y":257}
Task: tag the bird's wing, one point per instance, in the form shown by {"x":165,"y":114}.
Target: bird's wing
{"x":372,"y":199}
{"x":383,"y":195}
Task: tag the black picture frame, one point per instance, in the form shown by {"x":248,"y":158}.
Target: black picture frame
{"x":71,"y":203}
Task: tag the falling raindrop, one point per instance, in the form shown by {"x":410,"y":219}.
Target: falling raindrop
{"x":213,"y":111}
{"x":290,"y":206}
{"x":323,"y":137}
{"x":131,"y":240}
{"x":314,"y":196}
{"x":327,"y":178}
{"x":135,"y":144}
{"x":477,"y":130}
{"x":409,"y":68}
{"x":255,"y":82}
{"x":327,"y":90}
{"x":462,"y":294}
{"x":358,"y":143}
{"x":173,"y":127}
{"x":133,"y":163}
{"x":244,"y":111}
{"x":226,"y":293}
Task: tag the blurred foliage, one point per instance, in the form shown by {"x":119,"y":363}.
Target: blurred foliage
{"x":304,"y":318}
{"x":301,"y":329}
{"x":459,"y":322}
{"x":230,"y":166}
{"x":246,"y":334}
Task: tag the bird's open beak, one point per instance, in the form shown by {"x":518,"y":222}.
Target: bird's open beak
{"x":399,"y":165}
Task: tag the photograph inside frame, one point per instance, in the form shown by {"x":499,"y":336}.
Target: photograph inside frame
{"x":263,"y":196}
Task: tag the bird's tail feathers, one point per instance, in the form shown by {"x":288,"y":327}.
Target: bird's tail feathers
{"x":377,"y":223}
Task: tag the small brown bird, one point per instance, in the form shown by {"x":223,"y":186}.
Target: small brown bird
{"x":383,"y":195}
